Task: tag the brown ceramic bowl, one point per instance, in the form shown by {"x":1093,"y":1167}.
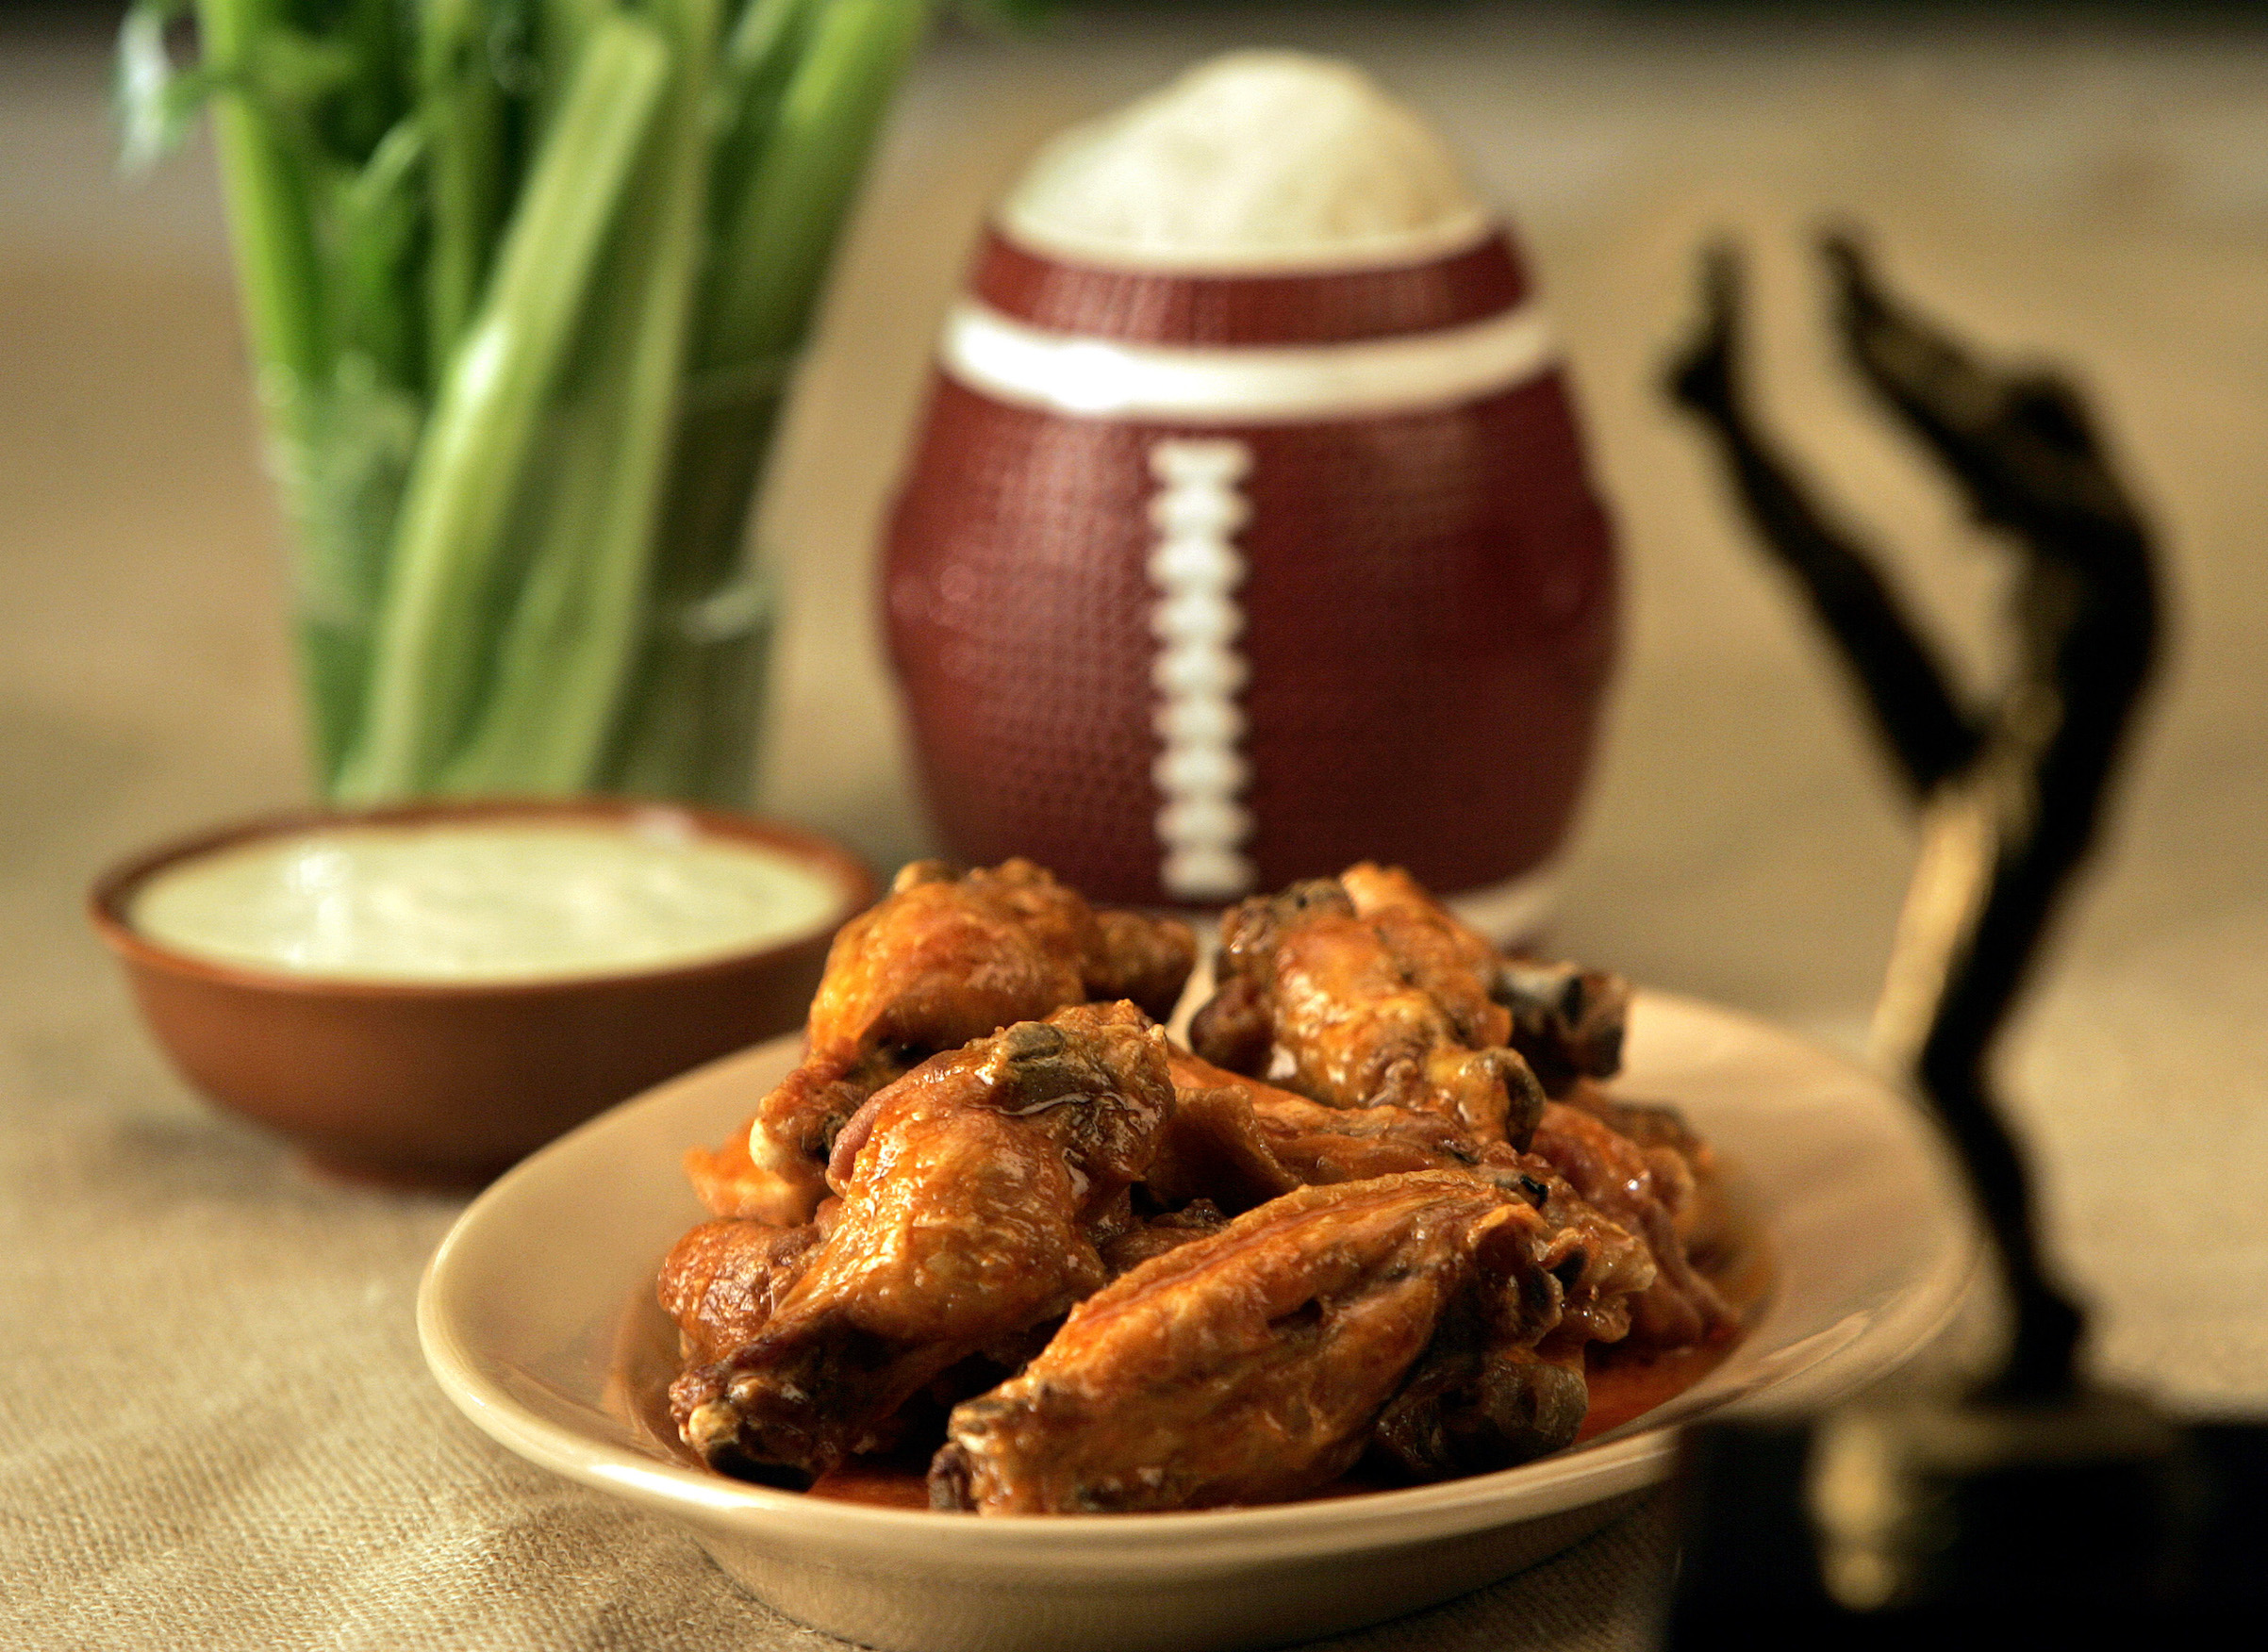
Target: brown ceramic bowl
{"x":451,"y":1083}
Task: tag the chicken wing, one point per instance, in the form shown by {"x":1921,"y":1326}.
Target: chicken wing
{"x":1623,"y":1220}
{"x":722,"y":1280}
{"x":945,"y":959}
{"x":1441,"y":954}
{"x":975,"y":1192}
{"x":1161,"y":1233}
{"x":1645,"y":1191}
{"x":1477,"y":1401}
{"x":1240,"y":1142}
{"x":1353,"y":1013}
{"x":1685,"y":1167}
{"x":1249,"y":1366}
{"x":1229,"y":1134}
{"x":1565,"y":1020}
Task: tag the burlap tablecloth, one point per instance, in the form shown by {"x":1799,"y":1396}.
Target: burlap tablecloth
{"x":215,"y":1428}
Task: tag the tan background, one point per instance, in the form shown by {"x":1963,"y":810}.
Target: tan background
{"x":214,"y":1426}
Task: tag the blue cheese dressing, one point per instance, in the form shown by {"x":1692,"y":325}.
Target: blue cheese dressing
{"x":484,"y":900}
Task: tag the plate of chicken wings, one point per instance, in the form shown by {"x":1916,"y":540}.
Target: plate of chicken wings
{"x":1041,"y":1295}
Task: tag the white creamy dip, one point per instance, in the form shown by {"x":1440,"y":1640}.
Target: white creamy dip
{"x":1274,"y":160}
{"x":483,"y":901}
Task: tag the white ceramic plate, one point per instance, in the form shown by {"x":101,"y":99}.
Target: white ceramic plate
{"x":537,"y":1317}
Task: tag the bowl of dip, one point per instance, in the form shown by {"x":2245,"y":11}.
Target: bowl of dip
{"x":426,"y":994}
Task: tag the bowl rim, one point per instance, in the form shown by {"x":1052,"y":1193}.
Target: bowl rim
{"x":1623,"y":1459}
{"x":109,"y":898}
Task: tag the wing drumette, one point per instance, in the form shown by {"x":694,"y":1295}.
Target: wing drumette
{"x":1356,"y":1013}
{"x":974,"y":1192}
{"x":1565,"y":1020}
{"x":945,"y":959}
{"x":1251,"y":1366}
{"x":1444,"y":956}
{"x":722,"y":1280}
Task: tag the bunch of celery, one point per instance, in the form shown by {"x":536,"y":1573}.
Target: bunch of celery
{"x":522,"y":280}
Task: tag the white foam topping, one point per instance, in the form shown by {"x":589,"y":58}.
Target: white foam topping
{"x":1253,"y":161}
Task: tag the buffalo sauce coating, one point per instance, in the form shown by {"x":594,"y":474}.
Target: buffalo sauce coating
{"x":946,"y":959}
{"x":1621,"y":1391}
{"x":978,"y":1187}
{"x":1245,"y":1367}
{"x":1623,"y":1388}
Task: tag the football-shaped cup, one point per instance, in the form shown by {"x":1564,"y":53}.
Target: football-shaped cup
{"x":1247,"y":534}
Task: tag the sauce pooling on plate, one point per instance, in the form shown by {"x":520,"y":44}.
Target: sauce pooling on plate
{"x":484,"y":900}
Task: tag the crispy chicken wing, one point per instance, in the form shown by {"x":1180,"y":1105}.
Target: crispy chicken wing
{"x":722,"y":1281}
{"x":1440,"y":952}
{"x":1240,"y":1142}
{"x":1480,"y":1398}
{"x":1622,"y":1219}
{"x":975,"y":1192}
{"x":1355,"y":1013}
{"x":1250,"y":1365}
{"x":1644,"y":1190}
{"x":1684,"y":1166}
{"x":944,"y":959}
{"x":1565,"y":1020}
{"x":1227,"y":1131}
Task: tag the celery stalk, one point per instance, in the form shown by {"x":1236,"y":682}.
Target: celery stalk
{"x":371,"y":263}
{"x":473,"y":460}
{"x":767,"y":44}
{"x":268,"y":213}
{"x":572,"y":638}
{"x":785,"y":180}
{"x":357,"y":433}
{"x":523,"y":281}
{"x":775,"y":239}
{"x":561,"y":27}
{"x":376,"y":31}
{"x":463,"y":111}
{"x":273,"y":235}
